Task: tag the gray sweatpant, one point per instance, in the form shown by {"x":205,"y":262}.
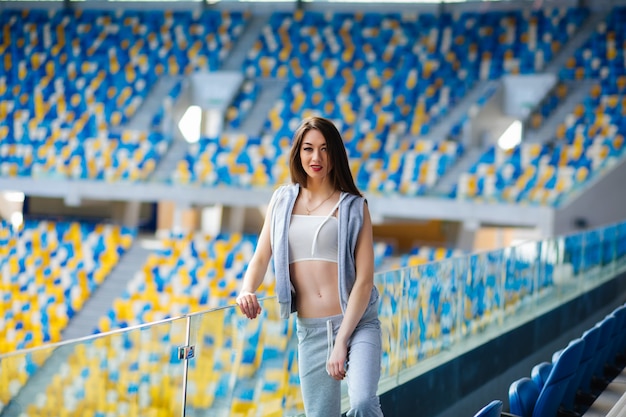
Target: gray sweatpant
{"x":320,"y":392}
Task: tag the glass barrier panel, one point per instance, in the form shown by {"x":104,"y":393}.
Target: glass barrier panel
{"x":620,"y":247}
{"x":16,"y":370}
{"x":447,"y":303}
{"x":464,"y":307}
{"x":411,"y":330}
{"x":609,"y":237}
{"x":494,"y":272}
{"x":573,"y":252}
{"x":592,"y":255}
{"x":390,"y":314}
{"x":552,"y":276}
{"x":518,"y":283}
{"x":527,"y":259}
{"x":546,"y":257}
{"x":426,"y":315}
{"x":457,"y":267}
{"x":130,"y":373}
{"x":477,"y":291}
{"x":432,"y":307}
{"x":243,"y":367}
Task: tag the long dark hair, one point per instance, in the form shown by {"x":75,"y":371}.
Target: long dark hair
{"x":340,"y":174}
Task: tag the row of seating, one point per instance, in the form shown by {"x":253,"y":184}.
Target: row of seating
{"x":124,"y":156}
{"x":99,"y":44}
{"x":577,"y":374}
{"x":602,"y":56}
{"x":366,"y":64}
{"x":422,"y":254}
{"x":239,"y":160}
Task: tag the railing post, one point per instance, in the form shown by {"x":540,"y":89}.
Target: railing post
{"x":185,"y":353}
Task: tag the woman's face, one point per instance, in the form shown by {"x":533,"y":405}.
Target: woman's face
{"x":314,"y":155}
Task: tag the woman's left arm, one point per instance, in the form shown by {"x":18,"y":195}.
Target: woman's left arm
{"x":359,"y":297}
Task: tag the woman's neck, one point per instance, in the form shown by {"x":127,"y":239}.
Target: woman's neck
{"x":318,"y":190}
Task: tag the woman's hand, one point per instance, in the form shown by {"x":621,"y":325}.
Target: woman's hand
{"x":249,"y":304}
{"x":336,"y":365}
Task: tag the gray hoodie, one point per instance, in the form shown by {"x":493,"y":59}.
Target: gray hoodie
{"x":350,"y":220}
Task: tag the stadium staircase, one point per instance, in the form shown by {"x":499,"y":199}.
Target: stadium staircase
{"x":545,"y":132}
{"x":38,"y":382}
{"x":174,"y":154}
{"x":446,"y":183}
{"x":271,"y":90}
{"x":442,"y":129}
{"x":84,"y":323}
{"x":250,"y":35}
{"x":142,"y":119}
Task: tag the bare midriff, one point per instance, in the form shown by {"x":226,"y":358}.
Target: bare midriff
{"x":317,"y":293}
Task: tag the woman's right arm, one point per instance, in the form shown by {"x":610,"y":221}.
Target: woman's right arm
{"x":255,"y":273}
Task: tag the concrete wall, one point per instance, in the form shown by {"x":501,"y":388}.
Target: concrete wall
{"x":603,"y":202}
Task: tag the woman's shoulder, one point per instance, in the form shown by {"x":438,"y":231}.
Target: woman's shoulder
{"x":284,"y":190}
{"x":285,"y":186}
{"x":350,"y":198}
{"x":353,"y":203}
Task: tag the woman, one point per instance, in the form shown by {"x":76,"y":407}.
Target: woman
{"x":319,"y":233}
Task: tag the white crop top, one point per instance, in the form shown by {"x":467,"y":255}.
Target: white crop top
{"x":314,"y":238}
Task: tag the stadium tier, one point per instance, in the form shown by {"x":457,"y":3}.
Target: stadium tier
{"x":587,"y":144}
{"x":402,"y":71}
{"x":71,"y":81}
{"x":49,"y":270}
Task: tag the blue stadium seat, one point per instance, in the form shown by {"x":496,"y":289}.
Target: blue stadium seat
{"x":578,"y":388}
{"x":598,"y":378}
{"x":616,"y":346}
{"x":540,"y":373}
{"x":523,"y":395}
{"x":493,"y":409}
{"x":550,"y":396}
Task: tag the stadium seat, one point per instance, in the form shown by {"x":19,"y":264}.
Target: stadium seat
{"x":540,"y":373}
{"x":615,"y":350}
{"x":550,"y":396}
{"x":493,"y":409}
{"x":523,"y":395}
{"x":598,"y":378}
{"x":576,"y":394}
